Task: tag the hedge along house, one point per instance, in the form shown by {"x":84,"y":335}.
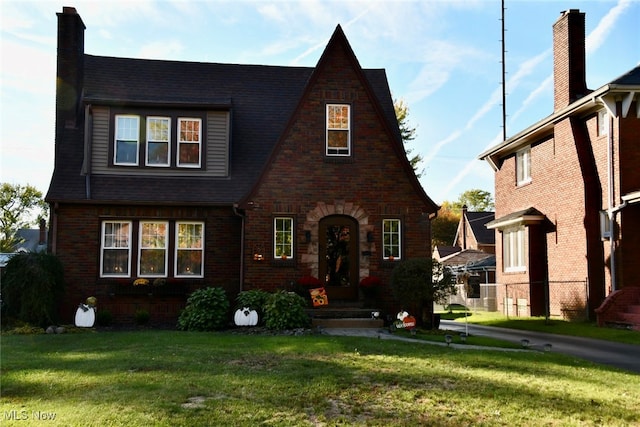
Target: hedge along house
{"x":568,"y":193}
{"x":240,"y":176}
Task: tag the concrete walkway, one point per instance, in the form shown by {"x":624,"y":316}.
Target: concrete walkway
{"x":622,"y":356}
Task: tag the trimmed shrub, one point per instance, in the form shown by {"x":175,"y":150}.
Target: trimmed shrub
{"x":32,"y":286}
{"x":286,"y":310}
{"x":207,"y":310}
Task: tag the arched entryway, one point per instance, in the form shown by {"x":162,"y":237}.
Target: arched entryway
{"x":338,"y":256}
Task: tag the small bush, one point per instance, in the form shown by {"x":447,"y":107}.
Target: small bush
{"x":207,"y":310}
{"x":32,"y":286}
{"x":104,"y":318}
{"x":285,"y":310}
{"x":142,"y":317}
{"x":254,"y":299}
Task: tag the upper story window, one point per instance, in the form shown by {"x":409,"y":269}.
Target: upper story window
{"x":127,"y":140}
{"x":189,"y":142}
{"x":338,"y":130}
{"x":523,"y":166}
{"x":158,"y":141}
{"x":189,"y":249}
{"x":161,"y":137}
{"x":283,"y":237}
{"x":153,"y":249}
{"x":603,"y":122}
{"x":391,"y":239}
{"x":115,"y":248}
{"x":513,"y":249}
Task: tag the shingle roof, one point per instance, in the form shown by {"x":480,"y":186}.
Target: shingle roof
{"x":262,"y":98}
{"x":477,"y":222}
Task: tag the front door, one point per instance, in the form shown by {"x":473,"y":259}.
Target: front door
{"x":338,"y":256}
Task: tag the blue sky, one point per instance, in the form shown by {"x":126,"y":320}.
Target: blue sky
{"x":442,"y":58}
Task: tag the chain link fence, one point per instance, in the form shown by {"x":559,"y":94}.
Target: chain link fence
{"x":566,"y":299}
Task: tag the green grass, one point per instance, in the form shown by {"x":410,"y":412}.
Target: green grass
{"x":553,"y":325}
{"x":170,"y":378}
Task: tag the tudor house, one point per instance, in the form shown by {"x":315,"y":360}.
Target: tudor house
{"x":567,"y":192}
{"x":239,"y":176}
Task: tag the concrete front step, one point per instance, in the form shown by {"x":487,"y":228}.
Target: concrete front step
{"x":347,"y":323}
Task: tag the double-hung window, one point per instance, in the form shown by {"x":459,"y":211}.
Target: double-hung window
{"x":158,"y":141}
{"x":523,"y":166}
{"x":189,"y":249}
{"x":338,"y":130}
{"x":513,"y":249}
{"x":189,"y":142}
{"x":116,"y":249}
{"x":153,"y":249}
{"x":127,"y":140}
{"x":283,"y":237}
{"x":391,"y":239}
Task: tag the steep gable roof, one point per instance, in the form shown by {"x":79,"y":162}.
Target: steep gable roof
{"x":377,"y":87}
{"x":261,"y":100}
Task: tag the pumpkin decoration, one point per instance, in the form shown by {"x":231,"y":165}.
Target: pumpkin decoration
{"x":319,"y":297}
{"x":245,"y":317}
{"x":85,"y":316}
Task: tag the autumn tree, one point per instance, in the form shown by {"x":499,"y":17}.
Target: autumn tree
{"x":407,"y":133}
{"x":20,"y":207}
{"x":445,"y":225}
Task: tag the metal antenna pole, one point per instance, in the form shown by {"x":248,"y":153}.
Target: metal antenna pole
{"x":504,"y":89}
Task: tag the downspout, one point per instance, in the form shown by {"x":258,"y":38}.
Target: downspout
{"x":242,"y":217}
{"x":86,"y":165}
{"x":613,"y":210}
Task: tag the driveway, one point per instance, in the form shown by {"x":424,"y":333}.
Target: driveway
{"x":623,"y":356}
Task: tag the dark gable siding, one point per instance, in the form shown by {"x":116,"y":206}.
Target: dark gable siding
{"x":215,"y":146}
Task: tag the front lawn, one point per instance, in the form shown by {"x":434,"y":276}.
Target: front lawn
{"x":170,"y":378}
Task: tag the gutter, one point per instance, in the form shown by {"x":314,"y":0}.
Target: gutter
{"x":242,"y":216}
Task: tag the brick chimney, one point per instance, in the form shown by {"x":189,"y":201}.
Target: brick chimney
{"x":70,"y":68}
{"x":569,"y":73}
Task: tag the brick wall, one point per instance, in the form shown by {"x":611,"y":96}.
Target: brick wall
{"x":370,"y":185}
{"x":78,"y":247}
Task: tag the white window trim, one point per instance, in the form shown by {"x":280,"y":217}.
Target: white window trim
{"x":177,"y":248}
{"x":514,"y":241}
{"x":523,"y":166}
{"x":103,"y":248}
{"x":399,"y":234}
{"x":275,"y":236}
{"x":168,"y":142}
{"x":328,"y":129}
{"x":141,"y":248}
{"x":115,"y":140}
{"x":199,"y":142}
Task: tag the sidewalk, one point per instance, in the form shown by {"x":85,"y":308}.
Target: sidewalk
{"x":622,"y":356}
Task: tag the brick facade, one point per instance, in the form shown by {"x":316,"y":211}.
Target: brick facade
{"x":577,"y":172}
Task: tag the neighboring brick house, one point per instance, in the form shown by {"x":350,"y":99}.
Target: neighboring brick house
{"x":567,"y":189}
{"x":240,"y":176}
{"x":473,"y":233}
